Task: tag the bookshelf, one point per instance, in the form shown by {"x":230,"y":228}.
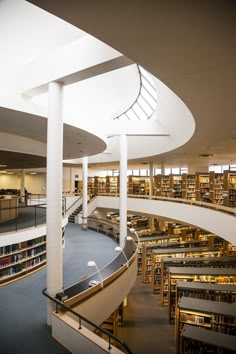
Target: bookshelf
{"x":210,"y":316}
{"x":112,"y":184}
{"x":157,"y":185}
{"x":165,"y":186}
{"x":217,"y":188}
{"x":232,"y":190}
{"x":196,"y":340}
{"x":159,"y":254}
{"x":150,"y":240}
{"x":91,"y":186}
{"x":224,"y":262}
{"x":220,"y":187}
{"x":147,"y":248}
{"x":20,"y":259}
{"x":138,"y":185}
{"x":188,"y":186}
{"x":176,"y":185}
{"x":213,"y":275}
{"x":202,"y":185}
{"x":206,"y":291}
{"x":23,"y":258}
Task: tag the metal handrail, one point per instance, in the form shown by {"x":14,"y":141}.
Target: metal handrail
{"x":82,"y":318}
{"x":14,"y":222}
{"x":73,"y":204}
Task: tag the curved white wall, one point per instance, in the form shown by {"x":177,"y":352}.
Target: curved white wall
{"x":26,"y":234}
{"x":219,"y":223}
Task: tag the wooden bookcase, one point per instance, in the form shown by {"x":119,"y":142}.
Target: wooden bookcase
{"x":219,"y":317}
{"x":138,"y":185}
{"x":195,"y":339}
{"x":20,"y":259}
{"x":224,"y":262}
{"x":160,"y":241}
{"x":150,"y":240}
{"x":217,"y":188}
{"x":159,"y":254}
{"x":112,"y":184}
{"x":220,"y":187}
{"x":189,"y":186}
{"x":230,"y":189}
{"x":206,"y":291}
{"x":213,"y":274}
{"x":176,"y":186}
{"x":91,"y":186}
{"x":157,"y":185}
{"x":23,"y":258}
{"x":165,"y":186}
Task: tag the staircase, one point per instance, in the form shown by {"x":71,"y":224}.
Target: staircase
{"x":75,"y":212}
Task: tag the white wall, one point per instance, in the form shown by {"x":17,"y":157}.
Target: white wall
{"x":219,"y":223}
{"x":34,"y":184}
{"x":9,"y":181}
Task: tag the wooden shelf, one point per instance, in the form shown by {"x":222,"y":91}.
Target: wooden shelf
{"x":210,"y":316}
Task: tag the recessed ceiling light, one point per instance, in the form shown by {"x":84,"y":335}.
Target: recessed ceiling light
{"x":205,"y":155}
{"x":33,"y":173}
{"x":3,"y":165}
{"x":10,"y":173}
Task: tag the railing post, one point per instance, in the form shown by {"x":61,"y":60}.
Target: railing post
{"x":80,"y":323}
{"x":16,"y":220}
{"x":35,"y":216}
{"x":109,"y":340}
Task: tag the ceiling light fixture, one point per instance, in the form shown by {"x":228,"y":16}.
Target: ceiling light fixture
{"x":205,"y":155}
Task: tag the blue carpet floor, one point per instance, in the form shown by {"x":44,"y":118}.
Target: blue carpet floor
{"x":23,"y":328}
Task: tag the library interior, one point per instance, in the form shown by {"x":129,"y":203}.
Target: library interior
{"x":118,"y":177}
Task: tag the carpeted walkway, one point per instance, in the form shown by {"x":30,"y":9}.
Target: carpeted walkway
{"x":23,"y":328}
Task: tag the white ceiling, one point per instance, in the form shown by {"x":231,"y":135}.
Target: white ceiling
{"x":189,"y":46}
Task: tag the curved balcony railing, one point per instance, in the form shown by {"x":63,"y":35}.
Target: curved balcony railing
{"x":218,"y":207}
{"x":145,"y":104}
{"x":108,"y":274}
{"x":81,"y":318}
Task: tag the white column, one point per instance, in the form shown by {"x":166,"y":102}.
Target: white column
{"x":162,"y":168}
{"x":54,"y":193}
{"x":85,"y":193}
{"x":123,"y":189}
{"x":22,"y":186}
{"x":151,"y":180}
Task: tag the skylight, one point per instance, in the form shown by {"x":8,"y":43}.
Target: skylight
{"x":145,"y":104}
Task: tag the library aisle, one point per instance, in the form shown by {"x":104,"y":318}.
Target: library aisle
{"x":146,"y":328}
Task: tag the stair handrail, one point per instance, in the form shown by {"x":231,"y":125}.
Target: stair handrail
{"x":82,"y":318}
{"x":67,"y":209}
